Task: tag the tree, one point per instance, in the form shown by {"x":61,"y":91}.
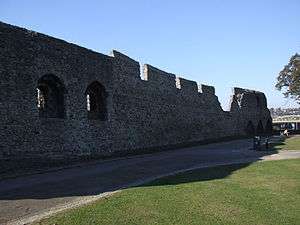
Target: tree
{"x":288,"y":79}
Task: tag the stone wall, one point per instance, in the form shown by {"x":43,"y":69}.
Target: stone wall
{"x":161,"y":110}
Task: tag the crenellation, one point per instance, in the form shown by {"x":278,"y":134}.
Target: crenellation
{"x":187,"y":86}
{"x":105,"y":108}
{"x":127,"y":67}
{"x":237,"y":90}
{"x":205,"y":89}
{"x":158,"y":78}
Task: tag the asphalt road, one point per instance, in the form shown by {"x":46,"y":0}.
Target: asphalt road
{"x":25,"y":199}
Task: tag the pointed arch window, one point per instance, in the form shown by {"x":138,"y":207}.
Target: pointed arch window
{"x":96,"y":101}
{"x":50,"y":97}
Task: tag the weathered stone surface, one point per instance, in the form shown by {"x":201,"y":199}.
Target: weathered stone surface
{"x":140,"y":114}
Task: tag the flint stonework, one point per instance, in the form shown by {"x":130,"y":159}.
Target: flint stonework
{"x":159,"y":111}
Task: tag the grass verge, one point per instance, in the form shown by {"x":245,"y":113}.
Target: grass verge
{"x":260,"y":193}
{"x":291,"y":143}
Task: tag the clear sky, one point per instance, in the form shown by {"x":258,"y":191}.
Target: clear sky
{"x":216,"y":42}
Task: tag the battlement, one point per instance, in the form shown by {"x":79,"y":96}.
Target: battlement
{"x":237,"y":90}
{"x":248,"y":99}
{"x":125,"y":67}
{"x":98,"y":105}
{"x":186,"y":86}
{"x":128,"y":68}
{"x":205,"y":89}
{"x":157,"y":78}
{"x":161,"y":79}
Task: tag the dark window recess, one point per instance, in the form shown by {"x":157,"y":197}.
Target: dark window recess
{"x":96,"y":101}
{"x":50,"y":97}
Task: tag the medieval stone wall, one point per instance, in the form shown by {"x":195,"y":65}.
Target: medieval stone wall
{"x":160,"y":110}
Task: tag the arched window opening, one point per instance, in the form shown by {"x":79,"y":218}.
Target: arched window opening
{"x":260,"y":129}
{"x":41,"y":98}
{"x":250,"y":129}
{"x":269,"y":128}
{"x":50,"y":97}
{"x":96,"y":101}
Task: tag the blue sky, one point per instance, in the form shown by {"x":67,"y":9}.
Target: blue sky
{"x":221,"y":43}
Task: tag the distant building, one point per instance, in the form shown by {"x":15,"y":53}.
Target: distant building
{"x":290,"y":122}
{"x":277,"y":112}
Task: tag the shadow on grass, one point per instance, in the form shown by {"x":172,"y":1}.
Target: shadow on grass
{"x":280,"y":142}
{"x":198,"y":175}
{"x":276,"y":144}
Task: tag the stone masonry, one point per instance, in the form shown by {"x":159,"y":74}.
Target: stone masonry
{"x":60,"y":101}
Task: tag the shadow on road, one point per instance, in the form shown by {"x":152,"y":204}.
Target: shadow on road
{"x":96,"y":179}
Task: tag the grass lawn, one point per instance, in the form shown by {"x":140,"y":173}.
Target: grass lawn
{"x":291,"y":143}
{"x":260,"y":193}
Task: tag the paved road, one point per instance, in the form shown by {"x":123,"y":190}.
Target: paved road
{"x":26,"y":199}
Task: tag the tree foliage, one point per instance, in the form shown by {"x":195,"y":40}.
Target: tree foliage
{"x":288,"y":79}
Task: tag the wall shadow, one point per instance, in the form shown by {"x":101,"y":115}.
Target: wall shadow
{"x":198,"y":175}
{"x":278,"y":142}
{"x":99,"y":181}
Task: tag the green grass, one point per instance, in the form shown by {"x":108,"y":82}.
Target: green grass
{"x":260,"y":193}
{"x":291,"y":143}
